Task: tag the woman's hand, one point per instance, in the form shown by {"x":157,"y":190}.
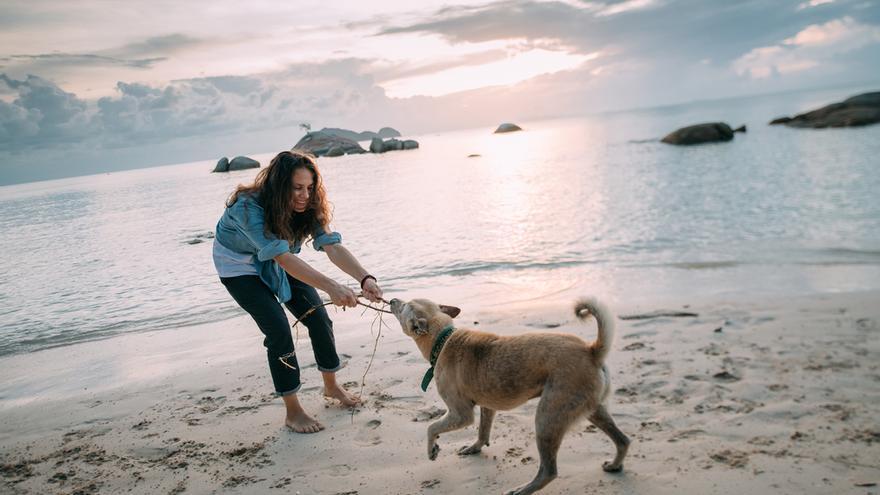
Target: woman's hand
{"x":342,"y":295}
{"x":372,"y":291}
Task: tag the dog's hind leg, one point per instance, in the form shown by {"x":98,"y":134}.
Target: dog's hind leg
{"x":554,"y":415}
{"x":454,"y":419}
{"x":486,"y":417}
{"x":605,"y":422}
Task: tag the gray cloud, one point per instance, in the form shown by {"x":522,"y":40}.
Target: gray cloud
{"x":140,"y":56}
{"x":41,"y":113}
{"x":164,"y":45}
{"x":83,"y":59}
{"x":674,"y":30}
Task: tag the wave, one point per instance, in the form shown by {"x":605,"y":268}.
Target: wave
{"x":61,"y":337}
{"x":460,"y":269}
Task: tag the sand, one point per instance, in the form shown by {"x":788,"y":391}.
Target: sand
{"x":763,"y":395}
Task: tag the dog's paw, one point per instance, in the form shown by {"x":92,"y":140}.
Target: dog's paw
{"x":610,"y":467}
{"x":470,"y":450}
{"x":432,"y":451}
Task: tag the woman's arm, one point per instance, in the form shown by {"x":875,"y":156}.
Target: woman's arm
{"x":299,"y":269}
{"x":342,"y":258}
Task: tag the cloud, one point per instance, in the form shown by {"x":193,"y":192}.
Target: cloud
{"x":84,"y":68}
{"x":671,"y":32}
{"x":813,"y":3}
{"x":41,"y":113}
{"x":844,"y":34}
{"x":625,"y":6}
{"x":811,"y":47}
{"x":164,"y":45}
{"x":84,"y":59}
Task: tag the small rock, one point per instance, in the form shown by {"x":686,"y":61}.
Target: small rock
{"x":726,"y":376}
{"x":222,"y":165}
{"x":507,"y":127}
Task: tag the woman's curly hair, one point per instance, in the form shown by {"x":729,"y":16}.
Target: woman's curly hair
{"x":273,"y":190}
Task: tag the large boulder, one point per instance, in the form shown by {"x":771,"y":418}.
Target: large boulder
{"x":379,"y":146}
{"x":319,"y":143}
{"x":388,"y":132}
{"x":335,"y":151}
{"x":507,"y":127}
{"x":243,"y":163}
{"x":859,"y":110}
{"x":702,"y":133}
{"x":222,"y":165}
{"x":385,"y":132}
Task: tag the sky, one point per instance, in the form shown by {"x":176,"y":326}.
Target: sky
{"x":93,"y":86}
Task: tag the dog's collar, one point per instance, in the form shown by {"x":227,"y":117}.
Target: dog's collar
{"x":435,"y":353}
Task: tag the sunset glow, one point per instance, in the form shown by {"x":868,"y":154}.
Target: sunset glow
{"x":501,"y":73}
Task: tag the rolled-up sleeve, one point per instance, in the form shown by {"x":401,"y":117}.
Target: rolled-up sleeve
{"x":248,"y":217}
{"x":322,"y":239}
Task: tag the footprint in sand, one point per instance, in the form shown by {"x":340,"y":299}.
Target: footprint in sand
{"x":866,"y":324}
{"x":733,"y":458}
{"x":142,"y":425}
{"x":686,"y":434}
{"x":368,"y":436}
{"x":637,"y":346}
{"x":336,"y":470}
{"x":713,"y":350}
{"x":429,"y":413}
{"x":210,"y":404}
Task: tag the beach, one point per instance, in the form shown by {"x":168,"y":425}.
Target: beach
{"x":128,"y":368}
{"x":762,"y":394}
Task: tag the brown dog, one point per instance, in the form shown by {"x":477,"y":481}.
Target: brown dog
{"x":500,"y":373}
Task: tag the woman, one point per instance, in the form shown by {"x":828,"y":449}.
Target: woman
{"x":257,"y":239}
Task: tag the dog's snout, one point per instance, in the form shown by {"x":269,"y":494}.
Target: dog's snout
{"x":394,"y":302}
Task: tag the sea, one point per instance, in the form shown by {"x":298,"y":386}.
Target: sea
{"x":594,"y":203}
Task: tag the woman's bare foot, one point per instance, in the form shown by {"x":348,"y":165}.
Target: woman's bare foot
{"x":303,"y":423}
{"x":342,"y":395}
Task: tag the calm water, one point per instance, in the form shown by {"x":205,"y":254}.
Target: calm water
{"x":590,"y":202}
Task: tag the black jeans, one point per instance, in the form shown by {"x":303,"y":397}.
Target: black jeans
{"x":260,"y":302}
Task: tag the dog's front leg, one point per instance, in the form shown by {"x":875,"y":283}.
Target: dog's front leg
{"x":453,"y":420}
{"x":486,"y":417}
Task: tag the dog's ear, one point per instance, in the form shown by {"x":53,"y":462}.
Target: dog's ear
{"x":420,"y":326}
{"x":452,"y":311}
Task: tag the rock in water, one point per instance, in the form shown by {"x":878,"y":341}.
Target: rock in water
{"x":320,"y":143}
{"x":388,"y":132}
{"x":243,"y":163}
{"x":856,"y":111}
{"x":222,"y":165}
{"x":709,"y":132}
{"x":507,"y":127}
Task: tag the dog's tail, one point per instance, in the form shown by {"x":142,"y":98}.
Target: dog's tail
{"x":587,"y":307}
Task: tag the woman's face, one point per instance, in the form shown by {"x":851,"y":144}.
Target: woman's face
{"x":303,"y":187}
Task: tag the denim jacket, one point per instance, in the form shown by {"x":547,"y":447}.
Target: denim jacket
{"x":240,"y":230}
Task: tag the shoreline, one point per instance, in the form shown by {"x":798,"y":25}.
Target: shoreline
{"x":627,"y":284}
{"x":782,"y":398}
